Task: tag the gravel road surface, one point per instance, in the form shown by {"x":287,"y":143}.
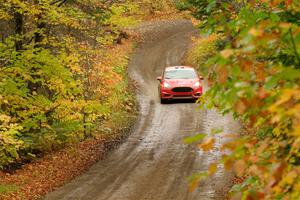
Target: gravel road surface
{"x":154,"y":163}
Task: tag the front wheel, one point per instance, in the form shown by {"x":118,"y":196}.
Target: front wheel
{"x":162,"y":101}
{"x":195,"y":100}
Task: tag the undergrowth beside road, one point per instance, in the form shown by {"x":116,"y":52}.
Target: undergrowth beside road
{"x":52,"y":169}
{"x":201,"y":50}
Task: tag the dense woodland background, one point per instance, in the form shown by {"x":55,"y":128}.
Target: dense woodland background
{"x":63,"y":79}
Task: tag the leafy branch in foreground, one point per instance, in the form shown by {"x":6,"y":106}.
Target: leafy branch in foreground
{"x":255,"y":75}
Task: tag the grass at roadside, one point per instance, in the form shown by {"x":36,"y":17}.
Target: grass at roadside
{"x":6,"y":189}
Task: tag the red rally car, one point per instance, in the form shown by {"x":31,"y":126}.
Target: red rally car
{"x":179,"y":82}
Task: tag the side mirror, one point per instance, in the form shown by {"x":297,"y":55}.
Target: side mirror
{"x":159,"y":78}
{"x":201,"y":78}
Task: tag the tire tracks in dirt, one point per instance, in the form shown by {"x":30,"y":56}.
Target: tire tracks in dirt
{"x":153,"y":163}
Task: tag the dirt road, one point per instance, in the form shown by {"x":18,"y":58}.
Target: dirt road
{"x":154,"y":163}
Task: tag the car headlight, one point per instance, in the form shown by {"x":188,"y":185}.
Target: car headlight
{"x":197,"y":84}
{"x":167,"y":85}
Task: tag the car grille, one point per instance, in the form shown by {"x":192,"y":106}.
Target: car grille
{"x":182,"y":89}
{"x":182,"y":95}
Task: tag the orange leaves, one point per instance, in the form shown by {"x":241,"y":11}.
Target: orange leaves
{"x":195,"y":180}
{"x":241,"y":106}
{"x":262,"y":93}
{"x":222,"y":74}
{"x":252,"y":79}
{"x":227,"y":53}
{"x":207,"y":144}
{"x":278,"y":170}
{"x":195,"y":22}
{"x":274,"y":3}
{"x":260,"y":73}
{"x":285,"y":25}
{"x":194,"y":184}
{"x":245,"y":65}
{"x":288,"y":2}
{"x":228,"y":163}
{"x":240,"y":167}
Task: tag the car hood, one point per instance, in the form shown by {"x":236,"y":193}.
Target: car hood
{"x":181,"y":82}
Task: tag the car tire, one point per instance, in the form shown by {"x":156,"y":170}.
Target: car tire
{"x":163,"y":101}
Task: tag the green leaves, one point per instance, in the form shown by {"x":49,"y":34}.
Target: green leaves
{"x":256,"y":76}
{"x":63,"y":81}
{"x":195,"y":138}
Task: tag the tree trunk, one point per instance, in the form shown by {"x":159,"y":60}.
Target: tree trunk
{"x":39,"y":35}
{"x":19,"y":23}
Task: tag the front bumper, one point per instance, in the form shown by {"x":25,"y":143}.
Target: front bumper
{"x":169,"y":94}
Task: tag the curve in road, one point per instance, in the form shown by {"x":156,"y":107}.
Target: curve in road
{"x":154,"y":163}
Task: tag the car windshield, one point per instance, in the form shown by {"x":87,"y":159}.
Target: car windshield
{"x":180,"y":74}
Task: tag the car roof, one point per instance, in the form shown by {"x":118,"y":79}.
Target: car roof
{"x":179,"y":68}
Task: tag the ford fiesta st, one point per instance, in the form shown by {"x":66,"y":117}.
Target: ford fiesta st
{"x":179,"y":82}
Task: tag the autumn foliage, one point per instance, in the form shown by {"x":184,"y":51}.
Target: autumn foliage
{"x":255,"y":74}
{"x":62,"y":74}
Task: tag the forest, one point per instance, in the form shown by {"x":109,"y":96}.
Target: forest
{"x":64,"y":80}
{"x":61,"y":82}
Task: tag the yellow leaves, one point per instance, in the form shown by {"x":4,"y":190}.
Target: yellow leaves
{"x":203,"y":48}
{"x":212,"y":169}
{"x":297,"y":187}
{"x":285,"y":96}
{"x":296,"y":131}
{"x":288,"y":180}
{"x":286,"y":105}
{"x":4,"y":15}
{"x":207,"y":144}
{"x":290,"y":177}
{"x":4,"y":118}
{"x":277,"y":189}
{"x":256,"y":32}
